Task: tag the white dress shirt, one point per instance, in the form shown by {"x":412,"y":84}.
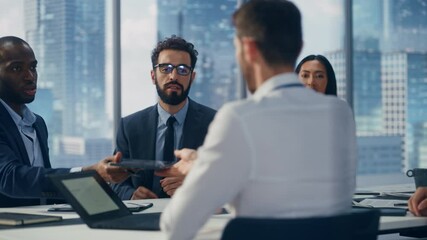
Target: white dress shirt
{"x":283,"y":152}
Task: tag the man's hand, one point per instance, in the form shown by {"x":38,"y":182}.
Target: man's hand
{"x":143,"y":193}
{"x":418,"y":202}
{"x":183,"y":166}
{"x":109,"y":173}
{"x":170,"y":184}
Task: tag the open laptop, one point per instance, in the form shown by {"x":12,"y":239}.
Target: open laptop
{"x":98,"y":205}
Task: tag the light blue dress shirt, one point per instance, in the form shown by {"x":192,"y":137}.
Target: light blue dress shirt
{"x":161,"y":132}
{"x":161,"y":128}
{"x":28,"y":133}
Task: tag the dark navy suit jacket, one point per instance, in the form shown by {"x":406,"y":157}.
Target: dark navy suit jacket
{"x":20,"y":183}
{"x":136,"y":138}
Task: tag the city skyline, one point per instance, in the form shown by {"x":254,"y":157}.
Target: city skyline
{"x":388,"y":74}
{"x":70,"y":65}
{"x":389,"y":80}
{"x":138,"y":38}
{"x":209,"y":28}
{"x":71,"y":70}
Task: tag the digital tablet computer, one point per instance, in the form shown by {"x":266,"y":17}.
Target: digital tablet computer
{"x":143,"y":164}
{"x":133,"y":207}
{"x":17,"y":219}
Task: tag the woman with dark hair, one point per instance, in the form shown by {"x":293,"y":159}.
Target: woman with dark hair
{"x":316,"y":72}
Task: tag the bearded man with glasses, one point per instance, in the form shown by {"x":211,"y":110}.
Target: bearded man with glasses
{"x":175,"y":122}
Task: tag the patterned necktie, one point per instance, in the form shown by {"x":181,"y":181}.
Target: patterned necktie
{"x":168,"y":149}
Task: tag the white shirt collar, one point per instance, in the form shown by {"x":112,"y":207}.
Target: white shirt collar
{"x":274,"y":82}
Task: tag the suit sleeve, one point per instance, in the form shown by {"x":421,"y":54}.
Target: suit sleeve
{"x":124,"y":189}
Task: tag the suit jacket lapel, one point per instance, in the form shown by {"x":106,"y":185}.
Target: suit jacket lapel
{"x":10,"y":127}
{"x":151,"y":127}
{"x":149,"y":143}
{"x":43,"y":144}
{"x":192,"y":124}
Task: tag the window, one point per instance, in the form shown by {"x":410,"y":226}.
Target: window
{"x":68,"y":38}
{"x":75,"y":90}
{"x":390,"y":34}
{"x":207,"y":24}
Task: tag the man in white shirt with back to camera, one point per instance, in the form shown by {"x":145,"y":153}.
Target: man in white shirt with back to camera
{"x":286,"y":151}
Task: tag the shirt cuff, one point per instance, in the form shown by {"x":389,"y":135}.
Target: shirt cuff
{"x":75,"y":169}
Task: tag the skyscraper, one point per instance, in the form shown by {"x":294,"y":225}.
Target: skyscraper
{"x":367,"y":91}
{"x":405,"y":25}
{"x":390,"y":57}
{"x":68,"y":38}
{"x":379,"y":152}
{"x":207,"y":24}
{"x":405,"y":102}
{"x":368,"y":24}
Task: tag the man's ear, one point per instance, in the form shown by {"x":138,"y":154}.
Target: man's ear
{"x":250,"y":49}
{"x":193,"y":76}
{"x":153,"y":77}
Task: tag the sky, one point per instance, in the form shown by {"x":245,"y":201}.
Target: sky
{"x":12,"y":18}
{"x":322,"y":25}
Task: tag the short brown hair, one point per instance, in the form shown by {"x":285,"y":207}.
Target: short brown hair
{"x":275,"y":25}
{"x":175,"y":43}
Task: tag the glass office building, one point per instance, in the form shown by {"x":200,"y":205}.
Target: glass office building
{"x":367,"y":92}
{"x":389,"y":66}
{"x":416,"y":115}
{"x":380,"y":154}
{"x":395,"y":32}
{"x":405,"y":25}
{"x":389,"y":74}
{"x":207,"y":24}
{"x":68,"y":38}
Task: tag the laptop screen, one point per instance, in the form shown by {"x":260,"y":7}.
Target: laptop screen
{"x":90,"y":195}
{"x":96,"y":203}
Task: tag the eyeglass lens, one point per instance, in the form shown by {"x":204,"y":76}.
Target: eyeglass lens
{"x":181,"y":69}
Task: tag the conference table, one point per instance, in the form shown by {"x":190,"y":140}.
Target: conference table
{"x":73,"y":228}
{"x":408,"y":225}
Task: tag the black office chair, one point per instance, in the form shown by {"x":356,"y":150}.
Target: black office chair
{"x":360,"y":224}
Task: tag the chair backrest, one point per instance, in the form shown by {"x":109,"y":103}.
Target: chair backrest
{"x":359,"y":224}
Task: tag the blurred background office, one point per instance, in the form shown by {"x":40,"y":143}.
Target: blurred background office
{"x":378,"y":50}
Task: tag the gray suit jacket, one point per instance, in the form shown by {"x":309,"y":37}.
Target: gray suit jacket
{"x":20,"y":183}
{"x":136,"y":138}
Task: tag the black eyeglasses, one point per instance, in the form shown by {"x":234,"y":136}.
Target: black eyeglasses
{"x":167,"y":68}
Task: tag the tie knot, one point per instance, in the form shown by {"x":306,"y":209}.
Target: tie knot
{"x":171,"y":121}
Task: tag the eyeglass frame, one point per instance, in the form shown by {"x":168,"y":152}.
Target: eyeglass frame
{"x":159,"y":65}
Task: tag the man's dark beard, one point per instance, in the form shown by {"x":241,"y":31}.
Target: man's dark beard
{"x":174,"y":98}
